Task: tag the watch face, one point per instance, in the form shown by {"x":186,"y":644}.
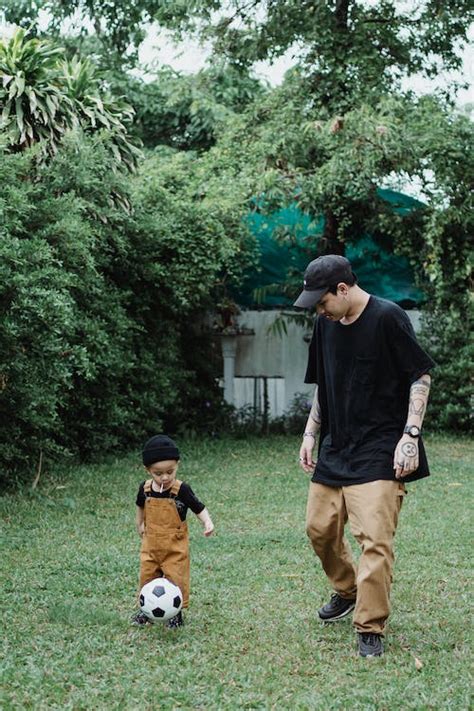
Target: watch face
{"x":414,"y":431}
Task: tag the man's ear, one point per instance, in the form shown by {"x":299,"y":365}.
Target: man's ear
{"x":342,"y":288}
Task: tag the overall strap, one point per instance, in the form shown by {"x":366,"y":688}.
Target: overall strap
{"x":174,"y":490}
{"x":147,"y":487}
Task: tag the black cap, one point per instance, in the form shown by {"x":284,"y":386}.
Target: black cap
{"x":158,"y":449}
{"x":322,"y":273}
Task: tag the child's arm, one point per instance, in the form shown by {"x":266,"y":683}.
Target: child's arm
{"x":140,"y":521}
{"x":206,"y":521}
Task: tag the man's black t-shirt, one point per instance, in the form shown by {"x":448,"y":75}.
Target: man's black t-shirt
{"x":186,"y":499}
{"x":364,"y":371}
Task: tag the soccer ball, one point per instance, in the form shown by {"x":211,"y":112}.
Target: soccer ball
{"x":160,"y":599}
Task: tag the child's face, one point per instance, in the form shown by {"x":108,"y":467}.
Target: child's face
{"x":164,"y":473}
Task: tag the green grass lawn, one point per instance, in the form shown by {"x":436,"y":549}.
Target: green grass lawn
{"x":252,"y":639}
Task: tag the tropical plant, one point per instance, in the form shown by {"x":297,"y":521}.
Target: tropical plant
{"x":35,"y":107}
{"x":42,"y":95}
{"x":96,"y":108}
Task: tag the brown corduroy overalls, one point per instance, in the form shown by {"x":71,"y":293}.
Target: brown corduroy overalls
{"x":165,"y":543}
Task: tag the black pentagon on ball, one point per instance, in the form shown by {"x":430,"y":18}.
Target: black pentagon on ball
{"x":158,"y":612}
{"x":176,"y":601}
{"x":158,"y":590}
{"x":142,"y":600}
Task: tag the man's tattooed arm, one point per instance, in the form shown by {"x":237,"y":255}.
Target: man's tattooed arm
{"x":406,"y":457}
{"x":313,"y":425}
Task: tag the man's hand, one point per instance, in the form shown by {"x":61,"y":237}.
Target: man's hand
{"x":406,"y":458}
{"x":306,"y":454}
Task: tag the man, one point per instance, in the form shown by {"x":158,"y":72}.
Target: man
{"x":372,"y":387}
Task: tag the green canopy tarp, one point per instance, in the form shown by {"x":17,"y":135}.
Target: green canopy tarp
{"x":378,"y":271}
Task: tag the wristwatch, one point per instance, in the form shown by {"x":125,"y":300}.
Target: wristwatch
{"x":412,"y":430}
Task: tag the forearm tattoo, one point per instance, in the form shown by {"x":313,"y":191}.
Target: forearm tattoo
{"x":417,"y":407}
{"x":315,"y":413}
{"x":419,"y":392}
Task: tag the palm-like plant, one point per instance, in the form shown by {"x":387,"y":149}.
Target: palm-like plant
{"x":34,"y":106}
{"x":42,"y":95}
{"x":96,"y":108}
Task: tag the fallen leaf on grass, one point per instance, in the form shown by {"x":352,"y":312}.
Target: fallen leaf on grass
{"x":418,"y":664}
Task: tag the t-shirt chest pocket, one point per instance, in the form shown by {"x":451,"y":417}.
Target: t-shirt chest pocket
{"x":364,"y":370}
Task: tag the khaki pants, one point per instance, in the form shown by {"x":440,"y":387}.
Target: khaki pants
{"x":372,"y":510}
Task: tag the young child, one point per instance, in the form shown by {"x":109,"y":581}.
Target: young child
{"x":162,"y":505}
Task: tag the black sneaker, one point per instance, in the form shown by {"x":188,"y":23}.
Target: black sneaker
{"x":176,"y":621}
{"x":140,"y":619}
{"x":370,"y":644}
{"x":337,"y":608}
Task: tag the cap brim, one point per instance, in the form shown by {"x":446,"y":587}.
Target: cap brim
{"x":309,"y":298}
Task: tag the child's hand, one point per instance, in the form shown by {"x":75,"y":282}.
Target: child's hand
{"x":141,"y":529}
{"x":208,"y":528}
{"x":206,"y":521}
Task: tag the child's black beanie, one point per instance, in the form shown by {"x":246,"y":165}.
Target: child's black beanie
{"x":158,"y":449}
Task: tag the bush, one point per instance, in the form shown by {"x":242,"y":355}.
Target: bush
{"x":449,"y":340}
{"x":293,"y":420}
{"x":247,"y":420}
{"x":100,"y":335}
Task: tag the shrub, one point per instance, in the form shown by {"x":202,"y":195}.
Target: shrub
{"x":101,"y":340}
{"x":449,"y":339}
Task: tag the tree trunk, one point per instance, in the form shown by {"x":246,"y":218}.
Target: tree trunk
{"x":330,"y":242}
{"x":342,"y":13}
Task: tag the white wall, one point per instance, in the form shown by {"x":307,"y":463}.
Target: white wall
{"x":266,"y":353}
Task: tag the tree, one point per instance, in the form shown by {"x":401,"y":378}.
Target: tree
{"x":347,"y":47}
{"x":336,"y":130}
{"x":96,"y":109}
{"x":188,"y":111}
{"x":340,"y":127}
{"x":349,"y":53}
{"x":118,"y":26}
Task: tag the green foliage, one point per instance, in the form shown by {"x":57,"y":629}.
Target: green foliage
{"x":448,"y":334}
{"x":333,"y":167}
{"x":43,"y":95}
{"x":188,"y":111}
{"x":96,"y":109}
{"x":350,"y":49}
{"x":249,"y":421}
{"x":117,"y":25}
{"x":102,"y":337}
{"x":34,"y":108}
